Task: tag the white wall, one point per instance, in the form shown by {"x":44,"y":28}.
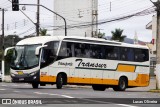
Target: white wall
{"x":70,"y":9}
{"x":154,"y":29}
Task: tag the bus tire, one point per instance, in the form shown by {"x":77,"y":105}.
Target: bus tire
{"x":35,"y":85}
{"x":99,"y":87}
{"x":122,"y":85}
{"x":59,"y":81}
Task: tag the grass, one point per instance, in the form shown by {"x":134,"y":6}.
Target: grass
{"x":155,"y":90}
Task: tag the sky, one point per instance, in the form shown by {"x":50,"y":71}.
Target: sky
{"x":17,"y":23}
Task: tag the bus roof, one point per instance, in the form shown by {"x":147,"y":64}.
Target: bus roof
{"x":45,"y":39}
{"x":37,"y":40}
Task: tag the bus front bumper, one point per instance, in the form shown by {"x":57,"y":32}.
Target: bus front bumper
{"x":26,"y":78}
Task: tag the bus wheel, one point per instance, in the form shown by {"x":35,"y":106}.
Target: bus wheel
{"x":59,"y":81}
{"x":99,"y":87}
{"x":35,"y":85}
{"x":122,"y":85}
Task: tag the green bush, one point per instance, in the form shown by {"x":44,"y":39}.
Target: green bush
{"x":8,"y":59}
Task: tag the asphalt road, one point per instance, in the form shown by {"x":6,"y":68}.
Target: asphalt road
{"x":84,"y":95}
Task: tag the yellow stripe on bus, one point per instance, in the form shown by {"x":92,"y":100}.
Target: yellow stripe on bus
{"x":141,"y":80}
{"x":46,"y":78}
{"x":126,"y":68}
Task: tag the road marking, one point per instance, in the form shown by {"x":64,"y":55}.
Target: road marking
{"x":16,"y":91}
{"x":27,"y":85}
{"x":2,"y":89}
{"x":101,"y":102}
{"x":131,"y":94}
{"x":40,"y":93}
{"x":126,"y":105}
{"x":53,"y":94}
{"x":66,"y":96}
{"x":15,"y":85}
{"x":3,"y":85}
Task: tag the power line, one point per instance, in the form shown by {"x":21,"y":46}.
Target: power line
{"x":82,"y":25}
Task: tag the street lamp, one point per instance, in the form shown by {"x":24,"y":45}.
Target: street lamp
{"x":52,"y":12}
{"x":157,"y":4}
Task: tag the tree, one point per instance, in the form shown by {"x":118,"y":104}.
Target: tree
{"x":43,"y":32}
{"x":101,"y":35}
{"x":117,"y":35}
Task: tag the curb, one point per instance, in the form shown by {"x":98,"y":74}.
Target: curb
{"x":76,"y":86}
{"x":155,"y":90}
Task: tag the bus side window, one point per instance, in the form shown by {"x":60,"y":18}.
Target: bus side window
{"x":108,"y":50}
{"x":130,"y":54}
{"x":112,"y":52}
{"x":82,"y":50}
{"x":138,"y":55}
{"x":77,"y":50}
{"x":65,"y":50}
{"x":141,"y":55}
{"x":97,"y":51}
{"x":145,"y":54}
{"x":69,"y":49}
{"x":87,"y":53}
{"x":124,"y":54}
{"x":49,"y":53}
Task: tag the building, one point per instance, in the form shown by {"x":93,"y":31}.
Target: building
{"x":152,"y":25}
{"x":76,"y":12}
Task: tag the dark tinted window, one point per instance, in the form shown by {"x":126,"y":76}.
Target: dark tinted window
{"x":145,"y":54}
{"x":112,"y":52}
{"x":130,"y":54}
{"x":127,"y":54}
{"x":97,"y":51}
{"x":79,"y":50}
{"x":124,"y":54}
{"x":66,"y":50}
{"x":84,"y":50}
{"x":49,"y":53}
{"x":141,"y":55}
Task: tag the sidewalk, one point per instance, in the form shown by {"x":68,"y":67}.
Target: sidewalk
{"x":7,"y":78}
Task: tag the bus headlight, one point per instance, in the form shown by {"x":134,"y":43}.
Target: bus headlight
{"x":12,"y":74}
{"x":33,"y":73}
{"x":34,"y":77}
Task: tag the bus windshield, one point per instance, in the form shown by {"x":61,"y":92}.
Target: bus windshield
{"x":24,"y":57}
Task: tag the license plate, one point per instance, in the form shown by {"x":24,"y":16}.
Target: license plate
{"x":21,"y":79}
{"x":20,"y":73}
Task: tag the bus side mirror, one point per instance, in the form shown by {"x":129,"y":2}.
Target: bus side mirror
{"x":38,"y":49}
{"x":7,"y":49}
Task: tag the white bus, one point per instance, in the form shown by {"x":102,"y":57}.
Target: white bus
{"x":79,"y":60}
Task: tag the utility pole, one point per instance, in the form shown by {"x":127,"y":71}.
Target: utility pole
{"x":94,"y":17}
{"x":2,"y":44}
{"x":157,"y":4}
{"x":2,"y":28}
{"x":37,"y":24}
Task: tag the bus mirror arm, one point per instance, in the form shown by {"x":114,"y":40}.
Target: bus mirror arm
{"x":38,"y":49}
{"x":7,"y":49}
